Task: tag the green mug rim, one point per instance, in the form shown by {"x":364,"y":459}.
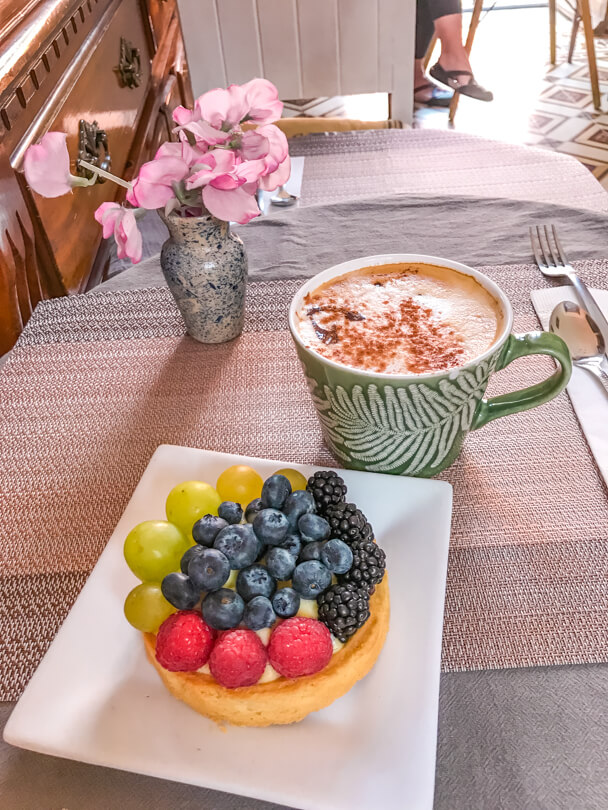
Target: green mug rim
{"x":393,"y":258}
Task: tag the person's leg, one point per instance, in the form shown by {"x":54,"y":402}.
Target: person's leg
{"x":424,"y":91}
{"x":449,"y":32}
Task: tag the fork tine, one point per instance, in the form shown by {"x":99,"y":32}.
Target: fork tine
{"x":546,"y":251}
{"x":535,"y":249}
{"x":556,"y":261}
{"x":560,"y":249}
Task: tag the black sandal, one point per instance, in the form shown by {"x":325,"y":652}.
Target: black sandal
{"x":449,"y":78}
{"x":439,"y":97}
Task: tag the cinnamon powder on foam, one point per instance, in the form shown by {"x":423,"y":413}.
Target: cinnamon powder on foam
{"x":400,"y":319}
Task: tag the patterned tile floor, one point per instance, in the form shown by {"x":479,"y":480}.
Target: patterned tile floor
{"x":534,"y":102}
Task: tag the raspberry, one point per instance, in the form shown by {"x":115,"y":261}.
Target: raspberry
{"x":238,"y":659}
{"x":184,"y":642}
{"x":300,"y":646}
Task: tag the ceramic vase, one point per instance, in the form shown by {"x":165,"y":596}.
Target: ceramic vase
{"x":205,"y":266}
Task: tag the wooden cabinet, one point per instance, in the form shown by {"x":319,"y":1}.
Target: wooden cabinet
{"x":117,"y":64}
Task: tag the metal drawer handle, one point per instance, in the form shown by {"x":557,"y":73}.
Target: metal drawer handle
{"x":129,"y":64}
{"x":90,"y":139}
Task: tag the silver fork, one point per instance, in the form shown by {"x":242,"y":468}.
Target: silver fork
{"x":553,"y":263}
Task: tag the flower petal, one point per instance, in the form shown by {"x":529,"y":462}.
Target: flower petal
{"x":263,"y":100}
{"x":231,"y":206}
{"x":254,"y":145}
{"x":47,"y":165}
{"x":223,"y":108}
{"x":154,"y":184}
{"x":278,"y":177}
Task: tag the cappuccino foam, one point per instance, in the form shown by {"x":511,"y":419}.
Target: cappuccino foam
{"x":400,"y":319}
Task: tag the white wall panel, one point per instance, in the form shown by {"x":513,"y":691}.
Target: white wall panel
{"x":358,"y":45}
{"x":307,"y":48}
{"x":240,"y":39}
{"x":203,"y":44}
{"x":319,"y":48}
{"x":280,"y":46}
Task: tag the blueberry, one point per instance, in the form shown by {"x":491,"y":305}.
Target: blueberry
{"x":293,"y":544}
{"x":280,"y":562}
{"x":275,"y":492}
{"x":179,"y":590}
{"x":336,"y":556}
{"x":193,"y":551}
{"x":255,"y":581}
{"x":239,"y":544}
{"x":310,"y":579}
{"x":299,"y":503}
{"x":223,"y":609}
{"x":311,"y":551}
{"x":270,"y":526}
{"x":313,"y":527}
{"x":286,"y":603}
{"x":207,"y":528}
{"x":209,"y":570}
{"x":230,"y":511}
{"x":259,"y":613}
{"x":252,"y":509}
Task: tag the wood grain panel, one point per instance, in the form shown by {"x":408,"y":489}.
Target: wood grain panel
{"x":240,"y":40}
{"x":201,"y":32}
{"x":280,"y":46}
{"x":319,"y":47}
{"x":358,"y":37}
{"x":98,"y":95}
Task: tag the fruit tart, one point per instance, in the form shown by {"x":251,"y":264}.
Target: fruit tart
{"x":258,"y":616}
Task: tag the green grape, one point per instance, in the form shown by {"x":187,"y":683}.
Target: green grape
{"x":153,"y":549}
{"x":189,"y":501}
{"x":240,"y":483}
{"x":146,"y":608}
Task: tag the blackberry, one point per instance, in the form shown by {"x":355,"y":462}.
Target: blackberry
{"x":327,"y":489}
{"x":343,"y":609}
{"x":348,"y":523}
{"x":369,"y":564}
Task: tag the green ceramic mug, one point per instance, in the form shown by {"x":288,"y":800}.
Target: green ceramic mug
{"x":415,"y":424}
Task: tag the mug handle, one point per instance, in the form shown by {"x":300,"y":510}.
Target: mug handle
{"x":526,"y":398}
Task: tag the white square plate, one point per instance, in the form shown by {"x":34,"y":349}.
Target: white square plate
{"x":95,"y":698}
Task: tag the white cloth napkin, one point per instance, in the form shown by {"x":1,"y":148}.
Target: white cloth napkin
{"x":587,"y":394}
{"x":293,"y":186}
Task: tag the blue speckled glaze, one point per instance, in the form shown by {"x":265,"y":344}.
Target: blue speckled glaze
{"x":205,"y":266}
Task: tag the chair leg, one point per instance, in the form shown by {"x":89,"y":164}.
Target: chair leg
{"x":429,"y":53}
{"x":575,"y":24}
{"x":590,"y":44}
{"x":552,"y":27}
{"x":468,"y":45}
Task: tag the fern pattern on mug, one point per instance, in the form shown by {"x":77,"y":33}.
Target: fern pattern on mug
{"x":401,"y":429}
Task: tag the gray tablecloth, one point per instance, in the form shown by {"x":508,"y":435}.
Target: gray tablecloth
{"x":508,"y":740}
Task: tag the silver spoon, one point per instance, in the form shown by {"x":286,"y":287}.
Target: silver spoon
{"x":582,"y":336}
{"x":283,"y":198}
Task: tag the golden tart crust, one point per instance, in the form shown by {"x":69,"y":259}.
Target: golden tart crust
{"x":283,"y":700}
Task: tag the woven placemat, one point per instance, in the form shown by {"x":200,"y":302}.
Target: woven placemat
{"x":98,"y":381}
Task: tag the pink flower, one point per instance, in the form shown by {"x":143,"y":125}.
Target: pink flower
{"x":217,"y":166}
{"x":120,"y":222}
{"x":153,"y":187}
{"x":182,"y":149}
{"x":278,"y":164}
{"x":253,"y":145}
{"x":47,"y":166}
{"x":233,"y":205}
{"x":223,"y":109}
{"x":204,"y":134}
{"x":263,"y":101}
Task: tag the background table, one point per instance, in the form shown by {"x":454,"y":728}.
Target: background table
{"x":525,"y":738}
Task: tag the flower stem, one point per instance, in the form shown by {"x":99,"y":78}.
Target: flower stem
{"x":102,"y":173}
